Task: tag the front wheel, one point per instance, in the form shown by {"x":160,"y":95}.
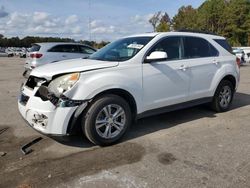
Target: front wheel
{"x":223,"y":96}
{"x":107,"y":120}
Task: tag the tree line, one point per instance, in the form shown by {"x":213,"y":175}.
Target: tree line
{"x":228,"y":18}
{"x":29,"y":40}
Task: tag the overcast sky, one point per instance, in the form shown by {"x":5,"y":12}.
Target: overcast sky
{"x":109,"y":19}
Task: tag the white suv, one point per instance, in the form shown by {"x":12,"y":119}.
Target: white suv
{"x":50,"y":52}
{"x":130,"y":78}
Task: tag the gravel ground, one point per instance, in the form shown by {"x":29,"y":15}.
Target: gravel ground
{"x":194,"y":147}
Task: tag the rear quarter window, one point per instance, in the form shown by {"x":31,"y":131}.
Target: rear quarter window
{"x":223,"y":43}
{"x":86,"y":50}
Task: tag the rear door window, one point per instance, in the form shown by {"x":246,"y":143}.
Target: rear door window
{"x":65,"y":49}
{"x":35,"y":48}
{"x":195,"y":47}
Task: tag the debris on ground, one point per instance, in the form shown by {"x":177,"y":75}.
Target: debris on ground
{"x":26,"y":150}
{"x":2,"y":153}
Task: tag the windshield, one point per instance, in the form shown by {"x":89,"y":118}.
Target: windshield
{"x":121,"y":50}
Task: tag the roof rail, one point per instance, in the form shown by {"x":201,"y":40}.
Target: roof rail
{"x":197,"y":31}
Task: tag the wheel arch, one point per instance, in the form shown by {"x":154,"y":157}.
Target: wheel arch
{"x":74,"y":122}
{"x":229,"y":77}
{"x":216,"y":104}
{"x":127,"y":96}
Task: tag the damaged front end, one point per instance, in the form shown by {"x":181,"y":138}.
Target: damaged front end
{"x":45,"y":95}
{"x":45,"y":111}
{"x":61,"y":101}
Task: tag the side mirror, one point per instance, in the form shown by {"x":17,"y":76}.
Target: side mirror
{"x":156,"y":56}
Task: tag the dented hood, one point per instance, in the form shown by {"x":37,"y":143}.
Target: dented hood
{"x":74,"y":65}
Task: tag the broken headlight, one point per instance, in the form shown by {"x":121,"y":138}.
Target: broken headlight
{"x":63,"y":83}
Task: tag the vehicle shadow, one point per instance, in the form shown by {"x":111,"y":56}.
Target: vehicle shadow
{"x":164,"y":121}
{"x":167,"y":120}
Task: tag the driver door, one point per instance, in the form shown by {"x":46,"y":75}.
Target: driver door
{"x":166,"y":82}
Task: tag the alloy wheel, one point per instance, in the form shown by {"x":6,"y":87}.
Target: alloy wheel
{"x":110,"y":121}
{"x":225,"y":96}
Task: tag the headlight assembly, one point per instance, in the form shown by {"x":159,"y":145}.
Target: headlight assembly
{"x":63,"y":83}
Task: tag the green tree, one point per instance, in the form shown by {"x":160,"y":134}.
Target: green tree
{"x":229,"y":18}
{"x":186,"y":18}
{"x":164,"y":24}
{"x":210,"y":16}
{"x":163,"y":27}
{"x":27,"y":41}
{"x":237,"y":27}
{"x":155,"y":19}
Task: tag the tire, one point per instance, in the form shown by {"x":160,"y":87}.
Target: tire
{"x":223,"y":96}
{"x":101,"y":123}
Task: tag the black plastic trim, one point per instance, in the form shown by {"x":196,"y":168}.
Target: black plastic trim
{"x":174,"y":107}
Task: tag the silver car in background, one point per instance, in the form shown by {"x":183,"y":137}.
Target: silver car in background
{"x":238,"y":52}
{"x":50,"y":52}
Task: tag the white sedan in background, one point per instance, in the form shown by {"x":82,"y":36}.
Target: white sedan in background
{"x":50,"y":52}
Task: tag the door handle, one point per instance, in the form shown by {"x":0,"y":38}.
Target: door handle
{"x":64,"y":56}
{"x":216,"y":62}
{"x":183,"y":67}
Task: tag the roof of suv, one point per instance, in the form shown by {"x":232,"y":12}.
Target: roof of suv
{"x":203,"y":35}
{"x":51,"y":44}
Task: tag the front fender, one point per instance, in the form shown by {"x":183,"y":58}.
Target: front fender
{"x":94,"y":82}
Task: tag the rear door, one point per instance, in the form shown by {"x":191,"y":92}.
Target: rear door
{"x":63,"y":52}
{"x":203,"y":64}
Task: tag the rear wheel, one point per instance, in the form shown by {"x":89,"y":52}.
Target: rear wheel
{"x":223,"y":96}
{"x":107,"y":120}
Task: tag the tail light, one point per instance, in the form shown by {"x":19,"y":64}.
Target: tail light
{"x":238,"y":61}
{"x":37,"y":56}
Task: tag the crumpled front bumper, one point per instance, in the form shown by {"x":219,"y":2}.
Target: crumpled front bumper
{"x":43,"y":115}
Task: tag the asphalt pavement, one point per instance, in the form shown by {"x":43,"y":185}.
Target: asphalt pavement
{"x":194,"y":147}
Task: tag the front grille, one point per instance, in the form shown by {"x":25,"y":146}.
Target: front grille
{"x":53,"y":99}
{"x":23,"y":99}
{"x":44,"y":94}
{"x":32,"y":81}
